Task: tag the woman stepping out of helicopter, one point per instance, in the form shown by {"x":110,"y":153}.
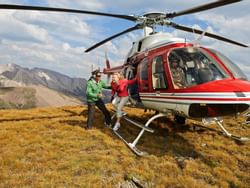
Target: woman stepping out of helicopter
{"x":120,"y":86}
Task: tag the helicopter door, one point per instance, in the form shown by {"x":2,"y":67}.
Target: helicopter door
{"x":159,"y":80}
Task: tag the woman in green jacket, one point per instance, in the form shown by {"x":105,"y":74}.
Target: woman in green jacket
{"x":94,"y":94}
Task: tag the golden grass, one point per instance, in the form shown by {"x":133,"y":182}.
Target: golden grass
{"x":46,"y":147}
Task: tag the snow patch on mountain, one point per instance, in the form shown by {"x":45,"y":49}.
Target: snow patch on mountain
{"x":44,"y":75}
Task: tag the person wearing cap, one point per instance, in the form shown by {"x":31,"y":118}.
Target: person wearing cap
{"x":94,"y":98}
{"x":177,"y":74}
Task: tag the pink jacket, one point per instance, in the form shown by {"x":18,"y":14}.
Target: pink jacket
{"x":123,"y":87}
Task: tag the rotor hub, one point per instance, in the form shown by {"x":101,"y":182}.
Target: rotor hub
{"x":152,"y":19}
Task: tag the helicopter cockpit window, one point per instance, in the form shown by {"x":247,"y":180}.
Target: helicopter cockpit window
{"x":192,"y":66}
{"x":158,"y":74}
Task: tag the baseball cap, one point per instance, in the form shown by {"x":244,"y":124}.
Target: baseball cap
{"x":98,"y":74}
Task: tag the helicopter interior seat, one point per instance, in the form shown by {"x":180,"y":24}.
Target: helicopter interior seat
{"x":158,"y":81}
{"x":161,"y":81}
{"x":158,"y":78}
{"x":190,"y":73}
{"x":205,"y":75}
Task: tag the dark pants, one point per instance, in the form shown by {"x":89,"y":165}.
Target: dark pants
{"x":91,"y":112}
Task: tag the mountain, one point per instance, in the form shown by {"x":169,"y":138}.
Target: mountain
{"x":32,"y":96}
{"x":12,"y":75}
{"x":27,"y":88}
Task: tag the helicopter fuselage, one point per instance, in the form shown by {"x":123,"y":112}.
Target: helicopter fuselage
{"x":212,"y":85}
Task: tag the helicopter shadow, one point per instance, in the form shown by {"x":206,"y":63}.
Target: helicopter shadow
{"x":167,"y":138}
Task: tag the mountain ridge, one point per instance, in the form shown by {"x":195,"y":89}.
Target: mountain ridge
{"x":49,"y":88}
{"x":13,"y":75}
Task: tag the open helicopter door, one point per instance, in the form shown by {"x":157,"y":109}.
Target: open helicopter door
{"x":130,"y":73}
{"x":159,"y":81}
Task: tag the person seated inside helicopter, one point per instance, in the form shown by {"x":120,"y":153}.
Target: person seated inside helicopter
{"x":178,"y":74}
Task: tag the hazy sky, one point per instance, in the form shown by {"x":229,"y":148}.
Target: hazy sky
{"x":57,"y":41}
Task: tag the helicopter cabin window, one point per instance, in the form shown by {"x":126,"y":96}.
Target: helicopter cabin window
{"x":193,"y":66}
{"x":143,"y":72}
{"x":159,"y":80}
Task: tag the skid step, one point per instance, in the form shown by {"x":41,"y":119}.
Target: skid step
{"x":145,"y":127}
{"x":148,"y":129}
{"x":130,"y":145}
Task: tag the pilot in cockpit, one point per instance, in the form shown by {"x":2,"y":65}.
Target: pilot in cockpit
{"x":178,"y":74}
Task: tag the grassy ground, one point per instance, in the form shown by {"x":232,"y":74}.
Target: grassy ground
{"x":46,"y":147}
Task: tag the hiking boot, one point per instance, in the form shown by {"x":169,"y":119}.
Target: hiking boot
{"x":124,"y":113}
{"x":116,"y":127}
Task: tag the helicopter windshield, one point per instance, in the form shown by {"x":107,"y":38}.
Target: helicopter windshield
{"x":236,"y":71}
{"x":192,"y":66}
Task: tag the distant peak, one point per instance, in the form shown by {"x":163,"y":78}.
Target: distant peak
{"x":10,"y":67}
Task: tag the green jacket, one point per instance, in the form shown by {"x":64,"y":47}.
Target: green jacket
{"x":94,"y":88}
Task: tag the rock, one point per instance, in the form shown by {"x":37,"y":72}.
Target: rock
{"x":181,"y":162}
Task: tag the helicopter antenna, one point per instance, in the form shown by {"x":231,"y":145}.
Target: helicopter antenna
{"x":198,"y":39}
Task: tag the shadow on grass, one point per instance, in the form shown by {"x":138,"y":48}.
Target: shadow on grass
{"x":79,"y":123}
{"x":70,"y":113}
{"x":34,"y":118}
{"x":167,"y":139}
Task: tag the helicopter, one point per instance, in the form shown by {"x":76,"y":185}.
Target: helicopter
{"x":174,"y":75}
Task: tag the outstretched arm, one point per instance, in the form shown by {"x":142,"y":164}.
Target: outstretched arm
{"x":132,"y":81}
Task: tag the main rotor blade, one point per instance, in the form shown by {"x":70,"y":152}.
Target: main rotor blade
{"x":52,"y":9}
{"x":202,"y":7}
{"x":114,"y":36}
{"x":192,"y":30}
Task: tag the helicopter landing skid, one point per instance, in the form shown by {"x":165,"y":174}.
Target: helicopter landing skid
{"x":226,"y":133}
{"x":145,"y":127}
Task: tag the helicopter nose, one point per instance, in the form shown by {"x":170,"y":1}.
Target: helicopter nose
{"x":222,"y":98}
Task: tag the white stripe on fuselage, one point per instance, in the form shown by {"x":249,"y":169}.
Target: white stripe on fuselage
{"x":188,"y":98}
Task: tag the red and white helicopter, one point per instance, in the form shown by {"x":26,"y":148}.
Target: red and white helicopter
{"x":205,"y":85}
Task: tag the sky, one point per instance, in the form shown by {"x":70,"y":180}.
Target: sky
{"x":57,"y":41}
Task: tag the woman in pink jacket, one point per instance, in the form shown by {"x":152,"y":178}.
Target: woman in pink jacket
{"x":122,"y":98}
